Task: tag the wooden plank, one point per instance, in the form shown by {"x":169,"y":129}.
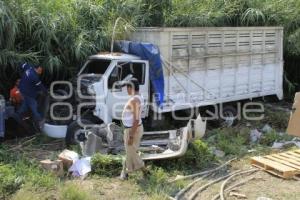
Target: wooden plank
{"x":287,"y":158}
{"x":274,"y":171}
{"x":286,"y":175}
{"x":297,"y":151}
{"x":291,"y":160}
{"x":273,"y":164}
{"x":287,"y":163}
{"x":293,"y":155}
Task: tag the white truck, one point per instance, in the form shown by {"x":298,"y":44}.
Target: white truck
{"x":201,"y":67}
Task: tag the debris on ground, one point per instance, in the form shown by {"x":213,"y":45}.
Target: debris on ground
{"x":81,"y":167}
{"x":238,"y":173}
{"x":219,"y":153}
{"x":255,"y":135}
{"x":191,"y":176}
{"x":68,"y":158}
{"x":263,"y":198}
{"x":202,"y":174}
{"x":280,"y":145}
{"x":267,"y":128}
{"x":234,"y":186}
{"x":55,"y":166}
{"x":238,"y":195}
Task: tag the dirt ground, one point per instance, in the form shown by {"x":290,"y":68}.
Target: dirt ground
{"x":263,"y":186}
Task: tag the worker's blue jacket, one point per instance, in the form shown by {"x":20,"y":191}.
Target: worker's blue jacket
{"x":30,"y":83}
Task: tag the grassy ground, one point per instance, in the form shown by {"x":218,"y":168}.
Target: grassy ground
{"x":22,"y":178}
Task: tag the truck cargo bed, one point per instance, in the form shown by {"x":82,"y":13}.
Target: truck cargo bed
{"x":204,"y":66}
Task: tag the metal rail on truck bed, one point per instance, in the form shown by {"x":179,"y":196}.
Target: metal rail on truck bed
{"x":205,"y":66}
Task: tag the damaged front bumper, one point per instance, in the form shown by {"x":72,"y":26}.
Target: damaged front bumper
{"x":154,"y":145}
{"x":176,"y":143}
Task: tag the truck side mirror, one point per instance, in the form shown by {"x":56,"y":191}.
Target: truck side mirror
{"x":117,"y":86}
{"x":127,"y":78}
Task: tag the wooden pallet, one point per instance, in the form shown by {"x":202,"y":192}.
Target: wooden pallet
{"x":285,"y":165}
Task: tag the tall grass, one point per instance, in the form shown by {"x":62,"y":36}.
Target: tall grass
{"x":61,"y":34}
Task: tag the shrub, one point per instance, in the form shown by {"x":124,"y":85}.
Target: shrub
{"x":106,"y":165}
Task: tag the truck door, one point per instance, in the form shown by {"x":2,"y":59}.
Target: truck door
{"x":117,"y":96}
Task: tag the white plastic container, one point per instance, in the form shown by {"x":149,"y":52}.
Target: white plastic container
{"x":55,"y":131}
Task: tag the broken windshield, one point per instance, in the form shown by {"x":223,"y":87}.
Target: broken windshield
{"x":95,"y":66}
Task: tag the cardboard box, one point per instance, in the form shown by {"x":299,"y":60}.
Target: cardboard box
{"x":294,"y":122}
{"x":55,"y":166}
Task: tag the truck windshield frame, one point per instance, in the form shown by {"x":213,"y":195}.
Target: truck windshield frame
{"x":95,"y":66}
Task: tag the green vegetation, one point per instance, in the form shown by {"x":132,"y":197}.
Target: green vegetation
{"x":106,"y":165}
{"x":21,"y":178}
{"x":157,"y":183}
{"x":61,"y":34}
{"x":10,"y":181}
{"x":272,"y":136}
{"x":232,"y":141}
{"x":197,"y":157}
{"x":72,"y":191}
{"x":276,"y":119}
{"x":16,"y":170}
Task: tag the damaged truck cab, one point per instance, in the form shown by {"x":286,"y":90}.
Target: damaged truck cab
{"x":101,"y":98}
{"x":107,"y":90}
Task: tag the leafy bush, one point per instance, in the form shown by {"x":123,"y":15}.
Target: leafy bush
{"x":9,"y":181}
{"x":106,"y":165}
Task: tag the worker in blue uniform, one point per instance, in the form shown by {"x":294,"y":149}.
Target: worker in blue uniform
{"x":30,"y":84}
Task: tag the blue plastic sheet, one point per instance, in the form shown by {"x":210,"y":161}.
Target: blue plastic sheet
{"x":150,"y":52}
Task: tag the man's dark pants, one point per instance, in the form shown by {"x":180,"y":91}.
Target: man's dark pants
{"x":30,"y":103}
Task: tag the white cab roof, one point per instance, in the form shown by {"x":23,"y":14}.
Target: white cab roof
{"x":115,"y":56}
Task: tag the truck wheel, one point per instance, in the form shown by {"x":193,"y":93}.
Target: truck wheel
{"x":76,"y":133}
{"x":228,"y":117}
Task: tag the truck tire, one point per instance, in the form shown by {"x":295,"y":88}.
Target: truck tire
{"x":75,"y":133}
{"x":228,"y":117}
